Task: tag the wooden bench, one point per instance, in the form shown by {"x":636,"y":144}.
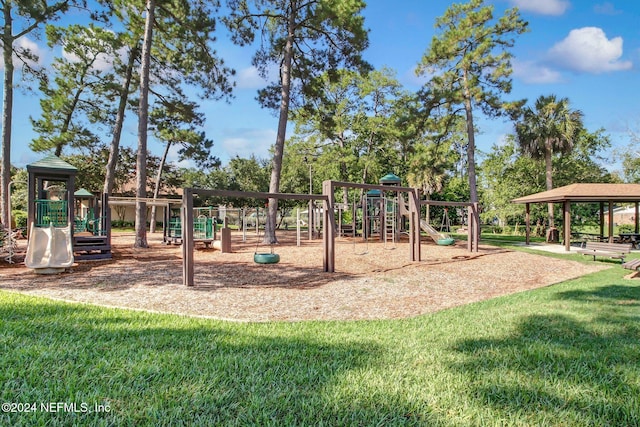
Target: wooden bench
{"x":611,"y":250}
{"x":634,"y":264}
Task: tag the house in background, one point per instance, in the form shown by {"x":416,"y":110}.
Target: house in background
{"x":622,"y":216}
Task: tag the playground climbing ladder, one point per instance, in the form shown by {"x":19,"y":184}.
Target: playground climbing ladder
{"x":390,"y":221}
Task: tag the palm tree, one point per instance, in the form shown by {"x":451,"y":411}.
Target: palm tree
{"x":551,"y":128}
{"x":429,"y":168}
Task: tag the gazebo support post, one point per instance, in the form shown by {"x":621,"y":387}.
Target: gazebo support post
{"x":610,"y":221}
{"x":636,"y":219}
{"x":601,"y":220}
{"x":527,"y":221}
{"x":567,"y":225}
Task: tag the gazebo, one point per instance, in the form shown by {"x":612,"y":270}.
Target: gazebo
{"x":584,"y":193}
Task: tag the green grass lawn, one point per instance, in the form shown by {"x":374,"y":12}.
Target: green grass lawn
{"x":565,"y":355}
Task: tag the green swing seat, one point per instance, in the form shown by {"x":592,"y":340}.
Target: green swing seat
{"x":266,"y":258}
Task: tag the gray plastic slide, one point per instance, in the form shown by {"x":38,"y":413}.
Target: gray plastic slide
{"x":50,"y":249}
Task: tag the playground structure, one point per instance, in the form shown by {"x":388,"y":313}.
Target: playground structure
{"x":57,"y":236}
{"x":331,"y":226}
{"x":385,"y":213}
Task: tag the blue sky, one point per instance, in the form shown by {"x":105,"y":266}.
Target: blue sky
{"x":587,"y":51}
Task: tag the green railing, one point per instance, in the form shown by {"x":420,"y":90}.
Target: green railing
{"x":51,"y":212}
{"x":203,"y":228}
{"x":175,"y":227}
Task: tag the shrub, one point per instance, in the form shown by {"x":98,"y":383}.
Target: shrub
{"x":626,"y":228}
{"x":20,"y":219}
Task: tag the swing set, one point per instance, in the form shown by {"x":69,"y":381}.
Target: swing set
{"x":329,"y":231}
{"x":188,"y":240}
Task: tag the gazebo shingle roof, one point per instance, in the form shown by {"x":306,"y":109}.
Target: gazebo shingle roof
{"x":586,"y":193}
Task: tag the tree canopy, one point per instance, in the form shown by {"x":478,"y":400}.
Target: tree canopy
{"x":303,"y":38}
{"x":470,"y":67}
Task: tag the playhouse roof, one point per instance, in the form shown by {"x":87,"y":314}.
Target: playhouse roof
{"x":390,"y":178}
{"x":53,"y":162}
{"x":584,"y":192}
{"x":83,"y":193}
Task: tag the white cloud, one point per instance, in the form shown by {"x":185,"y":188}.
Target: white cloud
{"x":249,"y":78}
{"x":410,"y":77}
{"x":534,"y":73}
{"x":542,"y":7}
{"x":174,"y":157}
{"x":245,"y":142}
{"x":103,"y":62}
{"x":25,"y":44}
{"x":588,"y":50}
{"x":606,"y":8}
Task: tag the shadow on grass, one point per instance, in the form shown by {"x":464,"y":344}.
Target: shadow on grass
{"x":609,"y":294}
{"x":558,"y":367}
{"x":167,"y":370}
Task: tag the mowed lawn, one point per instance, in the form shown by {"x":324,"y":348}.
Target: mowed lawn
{"x":565,"y":355}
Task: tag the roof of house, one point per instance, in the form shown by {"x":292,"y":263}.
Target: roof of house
{"x":584,"y":192}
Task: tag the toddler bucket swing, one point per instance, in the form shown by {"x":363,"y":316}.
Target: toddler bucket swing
{"x":445,"y":227}
{"x":265,"y":257}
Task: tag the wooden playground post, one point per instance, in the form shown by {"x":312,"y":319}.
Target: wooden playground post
{"x":106,"y":217}
{"x":298,"y":227}
{"x":187,"y":237}
{"x":473,"y":237}
{"x":476,"y":236}
{"x":328,"y":231}
{"x":414,"y":226}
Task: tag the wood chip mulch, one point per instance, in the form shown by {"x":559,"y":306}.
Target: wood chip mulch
{"x":372,"y":280}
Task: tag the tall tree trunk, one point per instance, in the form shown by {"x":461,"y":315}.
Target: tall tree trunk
{"x":274,"y":184}
{"x":7,"y":116}
{"x":156,"y":190}
{"x":549,"y":177}
{"x":344,"y":171}
{"x":365,"y":169}
{"x":471,"y":148}
{"x":114,"y":149}
{"x":143,"y":119}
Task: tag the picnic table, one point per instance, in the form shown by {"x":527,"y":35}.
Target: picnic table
{"x":633,"y":238}
{"x":583,"y":238}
